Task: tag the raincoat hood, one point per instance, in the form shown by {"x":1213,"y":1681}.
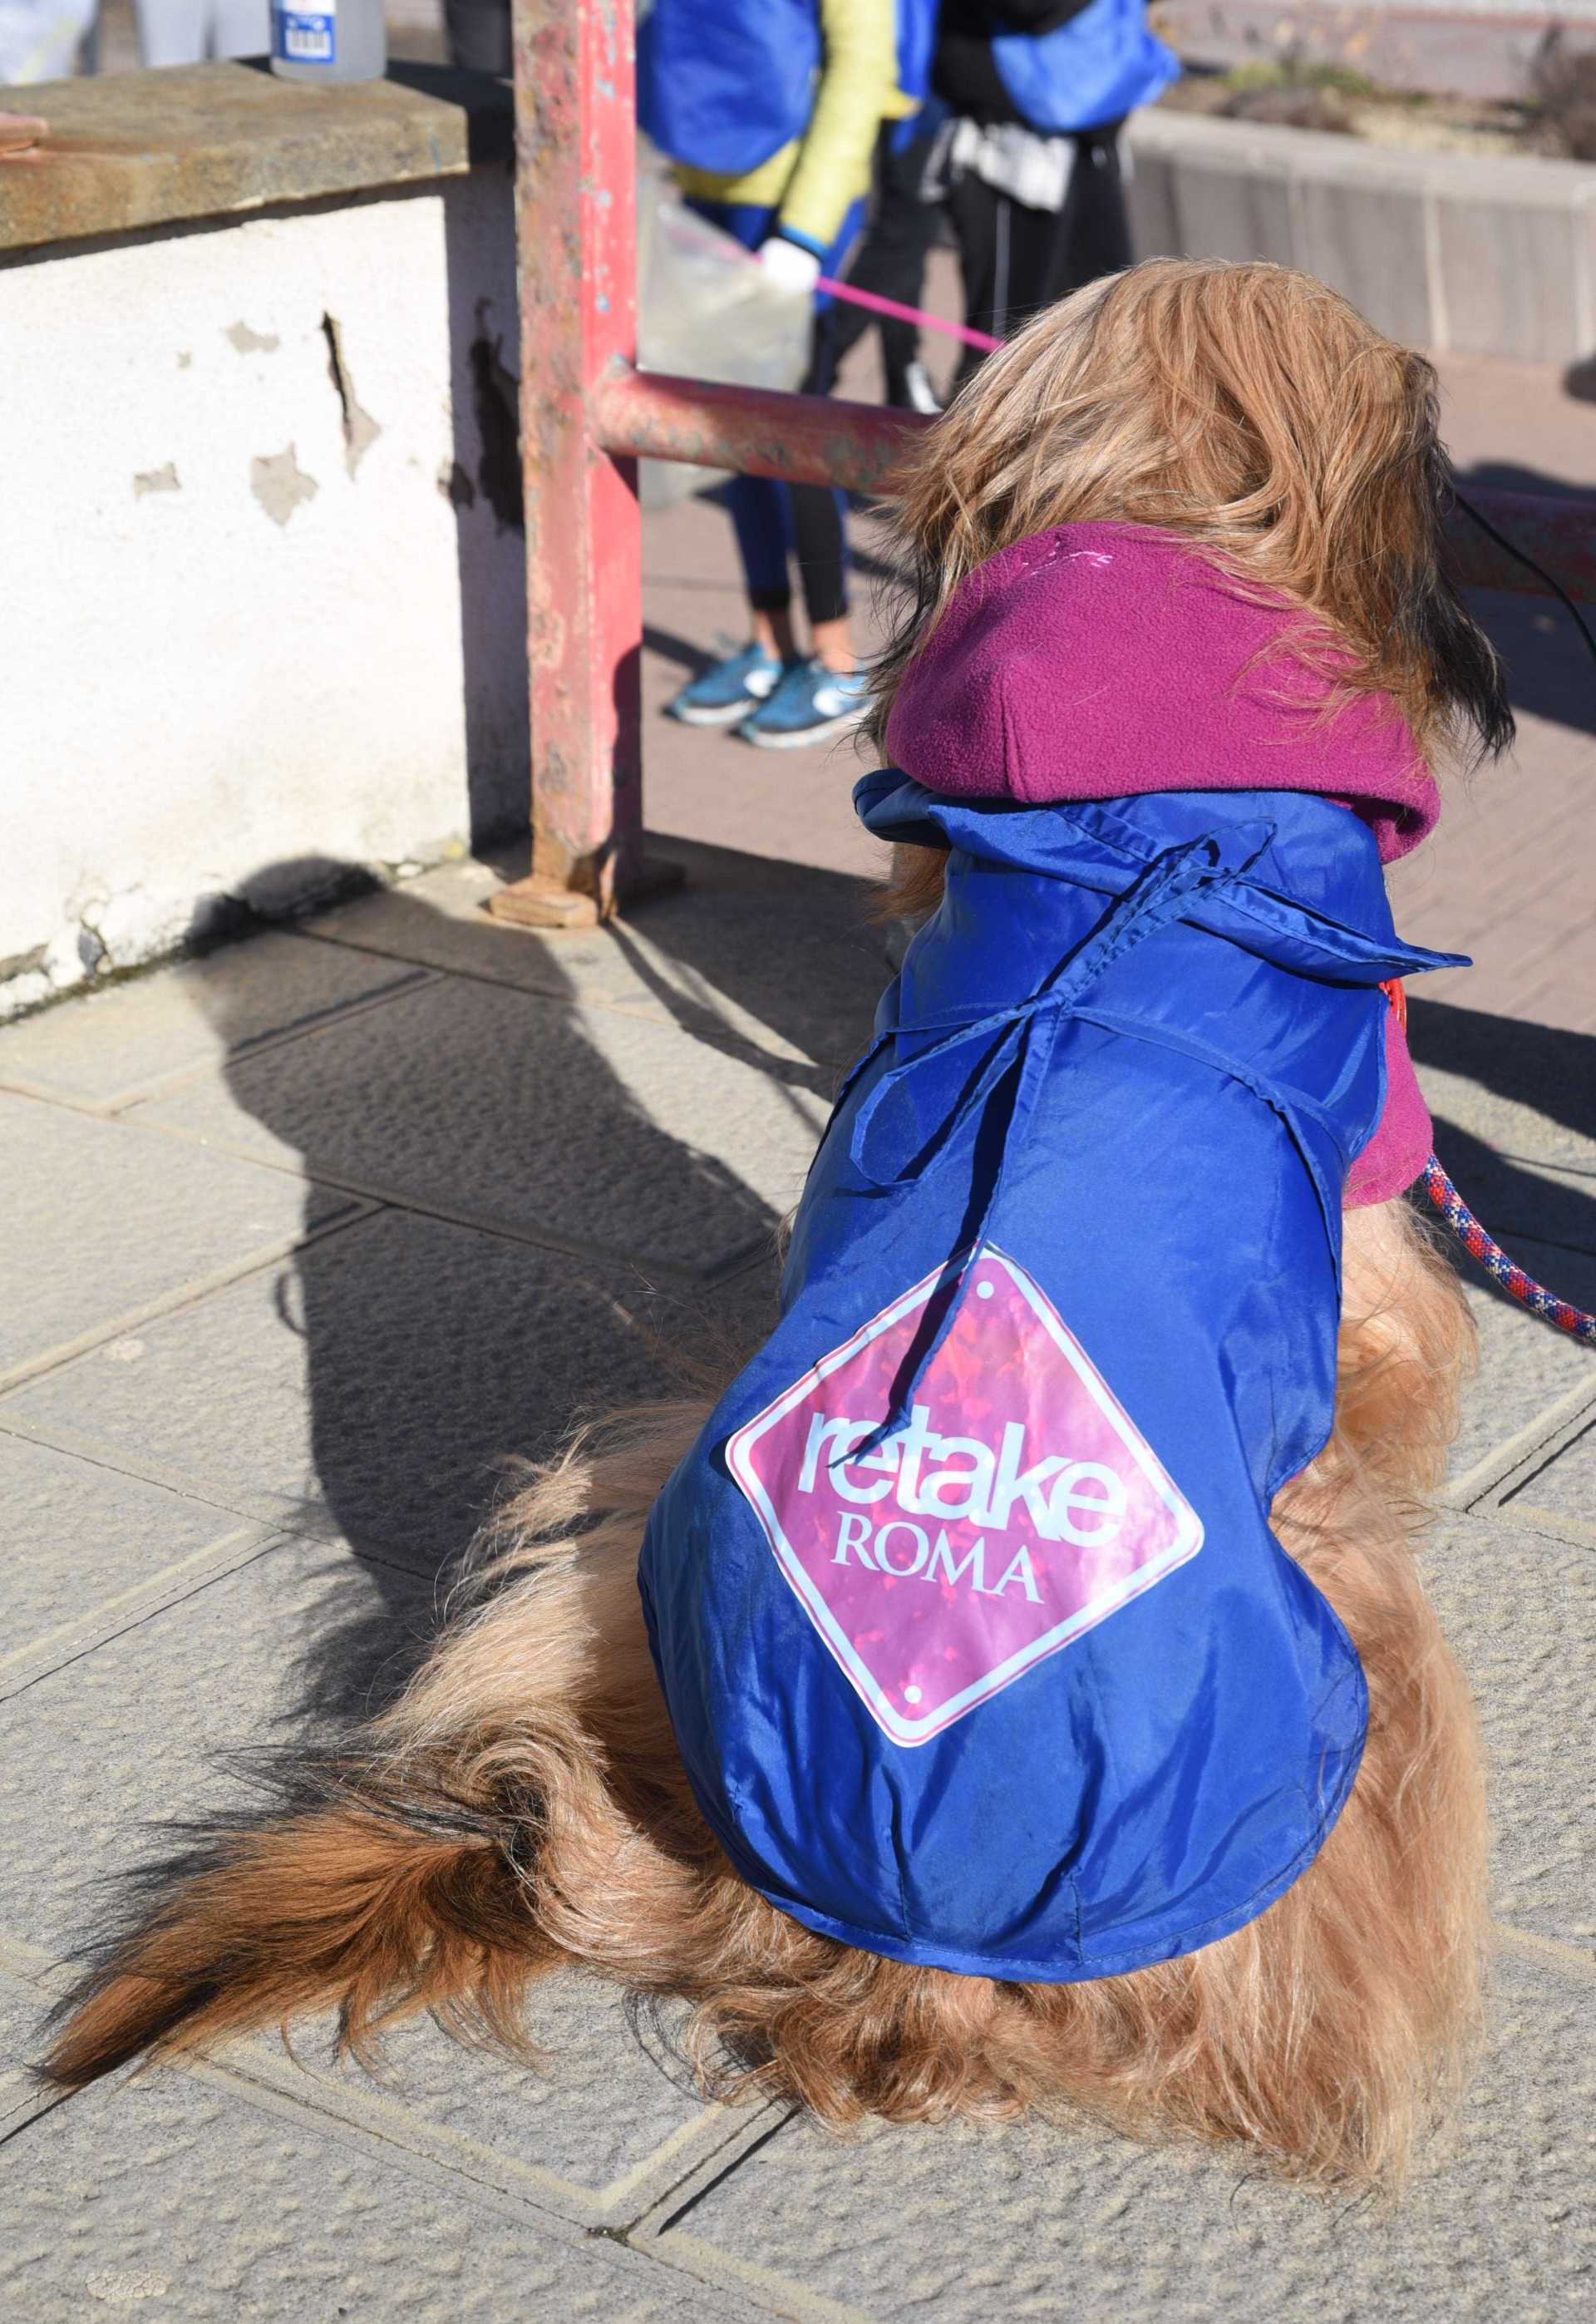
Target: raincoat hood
{"x":1102,"y":660}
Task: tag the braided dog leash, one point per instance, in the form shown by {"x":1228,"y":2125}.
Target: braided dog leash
{"x":1460,"y":1221}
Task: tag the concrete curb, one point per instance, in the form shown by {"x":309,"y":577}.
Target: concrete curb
{"x":1481,"y":255}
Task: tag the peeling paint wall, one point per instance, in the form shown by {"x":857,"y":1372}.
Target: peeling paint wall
{"x":262,"y":601}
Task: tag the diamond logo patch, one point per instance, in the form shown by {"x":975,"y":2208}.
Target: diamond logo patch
{"x":1018,"y":1506}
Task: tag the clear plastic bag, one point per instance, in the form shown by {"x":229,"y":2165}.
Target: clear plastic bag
{"x":706,"y":309}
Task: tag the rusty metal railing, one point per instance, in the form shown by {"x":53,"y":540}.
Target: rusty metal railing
{"x":587,"y":416}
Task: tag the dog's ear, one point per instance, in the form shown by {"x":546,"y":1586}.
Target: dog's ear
{"x":1467,"y":682}
{"x":1467,"y":675}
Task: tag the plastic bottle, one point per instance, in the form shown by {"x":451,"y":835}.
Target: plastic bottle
{"x":329,"y":40}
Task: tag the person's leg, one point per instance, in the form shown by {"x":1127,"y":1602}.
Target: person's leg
{"x":761,"y":519}
{"x":910,"y":228}
{"x":1017,"y":261}
{"x":822,"y":696}
{"x":981,"y":218}
{"x":1037,"y":245}
{"x":820,"y":537}
{"x":1095,"y":229}
{"x":851,"y":323}
{"x":741,"y":681}
{"x":891,"y":260}
{"x":760,"y":515}
{"x":479,"y":36}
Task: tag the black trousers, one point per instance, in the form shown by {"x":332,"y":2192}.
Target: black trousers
{"x":891,"y":259}
{"x":817,"y":513}
{"x":479,"y":36}
{"x":1016,"y":261}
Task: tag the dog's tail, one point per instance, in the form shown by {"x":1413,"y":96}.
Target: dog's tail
{"x":455,"y":1855}
{"x":386,"y":1895}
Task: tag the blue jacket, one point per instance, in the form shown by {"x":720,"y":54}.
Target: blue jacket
{"x":1094,"y":68}
{"x":724,"y":84}
{"x":975,"y":1642}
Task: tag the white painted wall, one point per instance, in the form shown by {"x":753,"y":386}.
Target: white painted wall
{"x":231,"y":640}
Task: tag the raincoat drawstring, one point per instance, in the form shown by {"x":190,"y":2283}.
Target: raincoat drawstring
{"x":1023,"y":1033}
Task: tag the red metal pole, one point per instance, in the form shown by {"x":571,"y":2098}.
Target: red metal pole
{"x":810,"y":439}
{"x":576,"y":235}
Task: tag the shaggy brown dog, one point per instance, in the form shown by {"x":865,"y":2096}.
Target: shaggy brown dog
{"x":523,"y":1806}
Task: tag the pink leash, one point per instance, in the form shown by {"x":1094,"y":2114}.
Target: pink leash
{"x":902,"y":314}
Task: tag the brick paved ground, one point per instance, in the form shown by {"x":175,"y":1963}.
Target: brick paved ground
{"x":304,"y":1238}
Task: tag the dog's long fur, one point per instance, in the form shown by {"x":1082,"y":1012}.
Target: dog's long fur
{"x":523,"y":1807}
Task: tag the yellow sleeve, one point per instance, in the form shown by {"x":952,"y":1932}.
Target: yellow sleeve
{"x":857,"y":89}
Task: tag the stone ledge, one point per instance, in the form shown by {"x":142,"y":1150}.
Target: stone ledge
{"x":1481,"y":255}
{"x":1263,"y":146}
{"x":130,"y":150}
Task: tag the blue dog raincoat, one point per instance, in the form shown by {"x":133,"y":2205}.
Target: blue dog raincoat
{"x":975,"y":1642}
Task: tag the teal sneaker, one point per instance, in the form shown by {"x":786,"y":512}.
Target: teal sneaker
{"x":811,"y":705}
{"x":728,"y":690}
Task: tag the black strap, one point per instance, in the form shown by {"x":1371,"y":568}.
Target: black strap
{"x":1524,"y":558}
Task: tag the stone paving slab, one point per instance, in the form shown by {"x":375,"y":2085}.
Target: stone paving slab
{"x":1519,"y":1611}
{"x":962,"y":2225}
{"x":21,"y":2012}
{"x":176,"y":2198}
{"x":1525,"y":1365}
{"x":125,"y":1742}
{"x":101,"y":1752}
{"x":587,"y":2132}
{"x":591,"y":1129}
{"x":766,"y":959}
{"x":1502,"y":879}
{"x":112,"y":1045}
{"x":377,"y":1381}
{"x":104,"y":1221}
{"x":74,"y":1534}
{"x":1566,"y":1484}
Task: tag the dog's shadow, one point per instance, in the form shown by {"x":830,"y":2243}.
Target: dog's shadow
{"x":438,"y":1353}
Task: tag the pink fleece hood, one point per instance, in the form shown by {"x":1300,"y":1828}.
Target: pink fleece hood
{"x":1100,"y":660}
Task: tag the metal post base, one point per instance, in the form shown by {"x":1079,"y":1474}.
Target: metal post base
{"x":542,"y":901}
